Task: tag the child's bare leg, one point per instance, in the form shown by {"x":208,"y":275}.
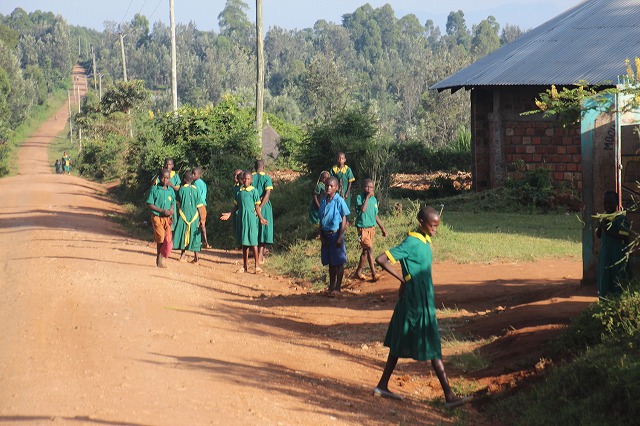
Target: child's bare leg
{"x":204,"y":236}
{"x":332,"y":278}
{"x":261,"y":253}
{"x":195,"y":257}
{"x":392,"y":361}
{"x":245,"y":257}
{"x":256,"y":258}
{"x":339,"y":275}
{"x":159,"y":262}
{"x":372,"y":265}
{"x":438,"y":367}
{"x":183,"y":256}
{"x":363,"y":257}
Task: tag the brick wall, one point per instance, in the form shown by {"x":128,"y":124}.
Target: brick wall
{"x":531,"y":139}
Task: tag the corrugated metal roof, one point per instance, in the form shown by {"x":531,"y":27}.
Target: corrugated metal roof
{"x":587,"y":42}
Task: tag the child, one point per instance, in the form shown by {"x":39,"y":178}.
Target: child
{"x":366,"y":220}
{"x":174,"y":183}
{"x":187,"y":235}
{"x":161,"y":201}
{"x":318,"y":194}
{"x":58,"y":166}
{"x":413,"y":330}
{"x":345,"y":177}
{"x":333,"y":214}
{"x":202,"y":188}
{"x":66,"y":162}
{"x":262,"y":182}
{"x":247,"y":204}
{"x":614,"y":232}
{"x":237,"y":184}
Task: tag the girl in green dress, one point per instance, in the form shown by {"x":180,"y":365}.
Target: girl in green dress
{"x":318,"y":194}
{"x":187,"y":234}
{"x":345,"y":177}
{"x":413,"y":330}
{"x":264,"y":185}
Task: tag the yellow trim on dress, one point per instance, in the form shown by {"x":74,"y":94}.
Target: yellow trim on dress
{"x":342,"y":170}
{"x":248,"y":188}
{"x":424,"y":238}
{"x":268,"y":188}
{"x":390,"y":257}
{"x":407,"y":277}
{"x":187,"y":235}
{"x":352,"y":180}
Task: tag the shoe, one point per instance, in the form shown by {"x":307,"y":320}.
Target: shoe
{"x":458,"y":402}
{"x":386,"y":394}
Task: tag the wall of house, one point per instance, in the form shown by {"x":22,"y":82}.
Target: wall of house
{"x":502,"y":138}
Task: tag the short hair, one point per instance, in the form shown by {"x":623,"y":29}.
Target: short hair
{"x":163,"y":171}
{"x":612,"y":194}
{"x":366,"y":181}
{"x":259,"y":163}
{"x":341,"y":153}
{"x":197,"y":170}
{"x":188,"y":176}
{"x":246,"y":173}
{"x":427,"y":212}
{"x":166,"y":160}
{"x":332,"y":179}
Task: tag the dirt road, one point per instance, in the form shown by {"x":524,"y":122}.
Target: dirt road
{"x":94,"y":333}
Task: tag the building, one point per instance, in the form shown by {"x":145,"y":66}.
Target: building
{"x":589,"y":42}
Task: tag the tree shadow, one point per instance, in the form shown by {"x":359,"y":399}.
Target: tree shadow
{"x":53,"y":418}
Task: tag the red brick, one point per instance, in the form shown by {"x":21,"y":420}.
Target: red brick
{"x":526,"y":140}
{"x":530,"y":131}
{"x":561,"y":167}
{"x":520,"y":149}
{"x":509,"y":131}
{"x":537,"y":158}
{"x":567,"y":140}
{"x":567,"y":158}
{"x":557,"y":175}
{"x":568,"y":176}
{"x":528,"y":159}
{"x":530,"y":149}
{"x":510,"y":149}
{"x":548,"y":132}
{"x":536,"y":140}
{"x":561,"y":150}
{"x":573,"y":149}
{"x":572,"y":167}
{"x":577,"y":158}
{"x":579,"y":167}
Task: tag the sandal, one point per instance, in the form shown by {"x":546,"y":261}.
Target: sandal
{"x":241,"y":271}
{"x":386,"y":394}
{"x":259,"y":271}
{"x":458,"y":402}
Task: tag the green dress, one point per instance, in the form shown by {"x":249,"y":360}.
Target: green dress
{"x":262,"y":182}
{"x":413,"y":330}
{"x":612,"y":269}
{"x":313,"y":209}
{"x":366,"y":219}
{"x":236,"y":219}
{"x":246,"y":200}
{"x":187,"y":234}
{"x":344,"y":176}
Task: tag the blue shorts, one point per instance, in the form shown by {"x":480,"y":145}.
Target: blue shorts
{"x":332,"y":255}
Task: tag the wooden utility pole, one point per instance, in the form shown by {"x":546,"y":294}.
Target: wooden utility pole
{"x":260,"y":72}
{"x":95,"y":71}
{"x":124,"y":62}
{"x":174,"y":68}
{"x":100,"y":86}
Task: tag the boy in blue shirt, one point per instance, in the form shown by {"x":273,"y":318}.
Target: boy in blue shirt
{"x":333,"y":214}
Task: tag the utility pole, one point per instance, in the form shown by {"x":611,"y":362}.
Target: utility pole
{"x":78,"y":47}
{"x":70,"y":125}
{"x":174,"y":71}
{"x":260,"y":72}
{"x":124,"y":63}
{"x":100,"y":86}
{"x":93,"y":55}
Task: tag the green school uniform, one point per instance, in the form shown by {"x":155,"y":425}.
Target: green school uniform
{"x":202,"y":188}
{"x":366,"y":219}
{"x":313,"y":209}
{"x":246,"y":200}
{"x":187,"y":234}
{"x":162,"y":198}
{"x":175,"y":181}
{"x":236,"y":219}
{"x":413,"y":330}
{"x":66,"y":163}
{"x":612,"y":250}
{"x":344,"y":176}
{"x":262,"y":182}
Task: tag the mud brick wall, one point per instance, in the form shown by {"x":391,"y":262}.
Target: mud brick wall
{"x":502,"y":137}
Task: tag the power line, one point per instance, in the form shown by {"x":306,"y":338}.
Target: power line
{"x":145,"y":2}
{"x":154,"y":10}
{"x":125,"y":14}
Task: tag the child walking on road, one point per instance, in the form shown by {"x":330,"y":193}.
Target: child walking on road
{"x":264,"y":185}
{"x":366,"y":220}
{"x":162,"y":202}
{"x":413,"y":330}
{"x":202,"y":188}
{"x":247,"y":204}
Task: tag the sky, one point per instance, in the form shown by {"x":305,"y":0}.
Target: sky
{"x":292,"y":14}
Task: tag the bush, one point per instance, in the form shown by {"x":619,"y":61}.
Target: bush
{"x":103,"y":159}
{"x":530,"y":187}
{"x":416,"y":157}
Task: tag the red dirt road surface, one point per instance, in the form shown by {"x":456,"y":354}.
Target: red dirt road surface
{"x":94,"y":333}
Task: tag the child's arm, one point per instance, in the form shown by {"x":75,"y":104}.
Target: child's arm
{"x":226,"y":216}
{"x":163,"y":212}
{"x":315,"y":200}
{"x":384,"y":231}
{"x":259,"y":213}
{"x":343,"y":225}
{"x":265,"y":199}
{"x":383,"y":261}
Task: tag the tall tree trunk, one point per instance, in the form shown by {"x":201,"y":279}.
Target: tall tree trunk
{"x":260,"y":72}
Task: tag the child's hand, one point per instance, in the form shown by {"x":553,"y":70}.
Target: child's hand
{"x":264,"y":221}
{"x":339,"y":240}
{"x":169,"y":212}
{"x":225,"y":216}
{"x":384,"y":232}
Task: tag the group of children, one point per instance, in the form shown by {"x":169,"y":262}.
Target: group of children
{"x":330,"y":209}
{"x":413,"y":331}
{"x":63,"y":165}
{"x":178,"y":213}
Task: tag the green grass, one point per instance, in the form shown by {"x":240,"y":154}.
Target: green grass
{"x":463,"y":237}
{"x":38,"y":115}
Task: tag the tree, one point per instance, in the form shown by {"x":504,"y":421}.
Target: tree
{"x":324,"y":86}
{"x":510,"y":33}
{"x":457,"y":30}
{"x":485,"y":38}
{"x":234,"y":23}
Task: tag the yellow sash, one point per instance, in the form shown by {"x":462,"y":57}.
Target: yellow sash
{"x":187,"y":235}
